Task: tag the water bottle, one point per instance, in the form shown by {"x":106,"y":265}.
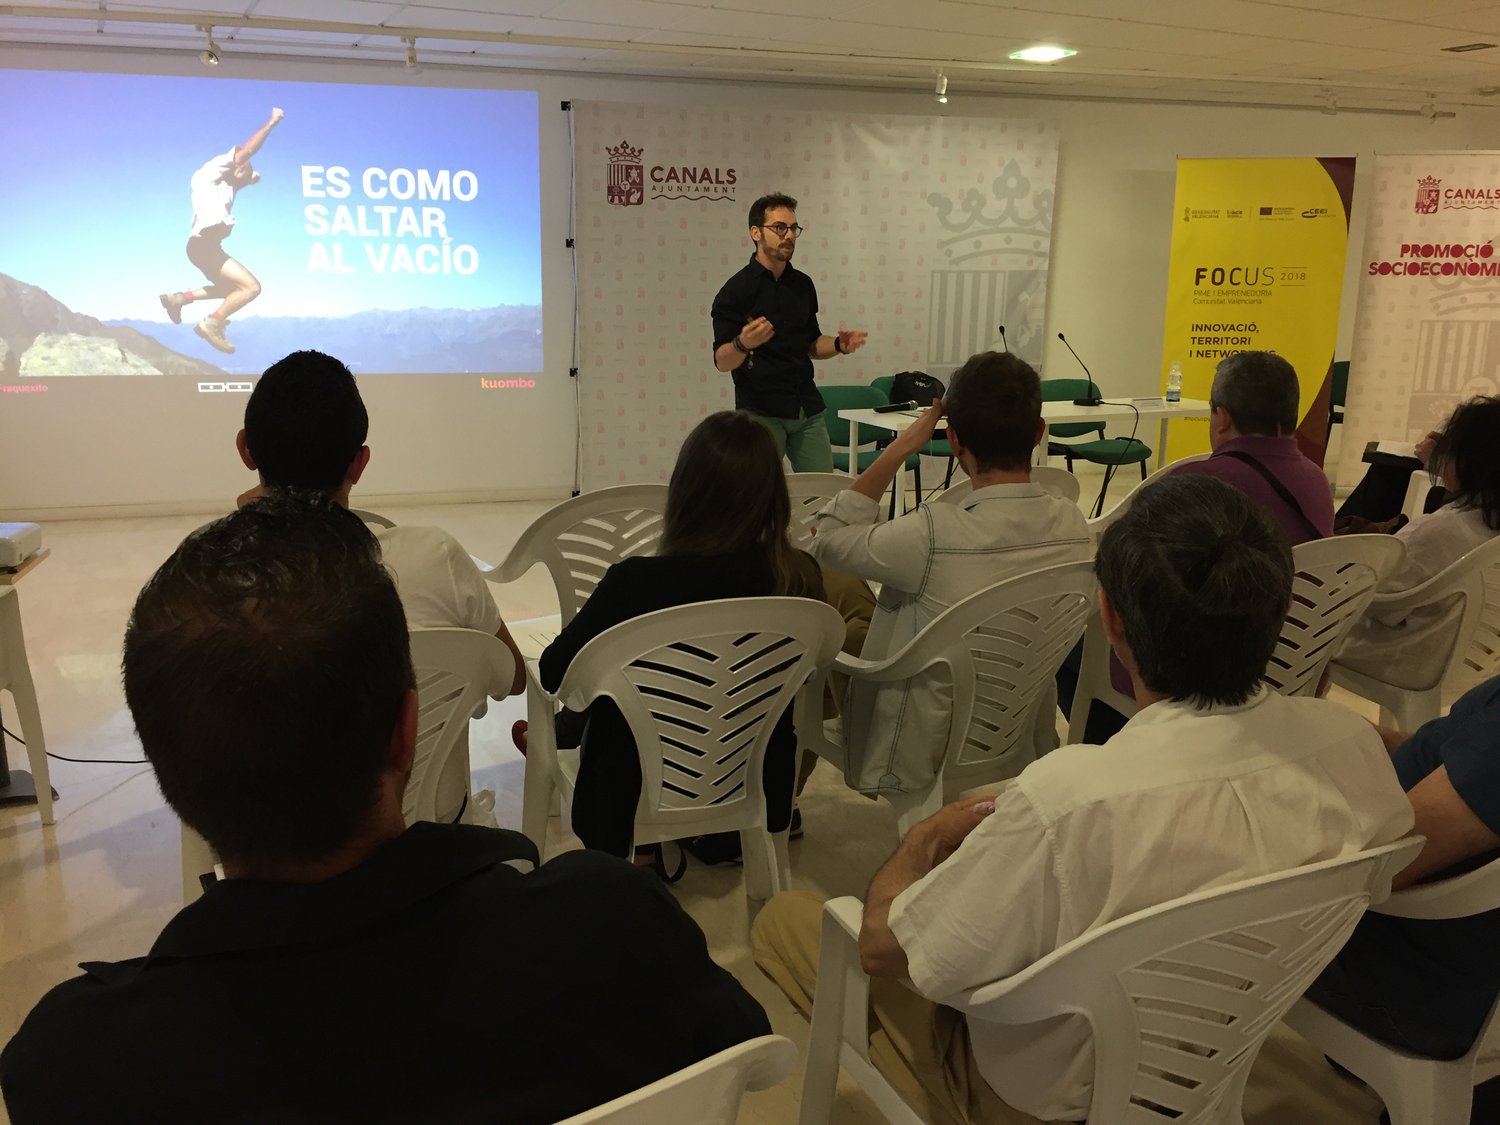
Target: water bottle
{"x":1174,"y":383}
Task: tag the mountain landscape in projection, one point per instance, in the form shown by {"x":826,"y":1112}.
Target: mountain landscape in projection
{"x":490,"y":341}
{"x":41,"y":338}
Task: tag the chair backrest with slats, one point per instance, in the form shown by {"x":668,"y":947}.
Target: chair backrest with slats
{"x":1333,"y":584}
{"x":372,"y":519}
{"x":456,"y":669}
{"x":581,"y":538}
{"x":706,"y":1093}
{"x":702,"y":687}
{"x":1468,"y":592}
{"x":1180,"y":997}
{"x":809,"y":493}
{"x":1479,"y":657}
{"x":1099,"y":524}
{"x":1000,"y":647}
{"x":1011,"y":646}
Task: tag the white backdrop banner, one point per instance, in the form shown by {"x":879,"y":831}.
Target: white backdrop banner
{"x":928,"y":233}
{"x":1427,"y":334}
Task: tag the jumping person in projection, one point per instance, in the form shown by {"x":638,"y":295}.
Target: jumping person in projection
{"x":214,"y":187}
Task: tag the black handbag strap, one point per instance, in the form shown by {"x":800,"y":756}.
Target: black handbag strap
{"x":1279,"y":488}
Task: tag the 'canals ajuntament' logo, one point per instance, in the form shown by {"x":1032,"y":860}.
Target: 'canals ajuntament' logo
{"x":1427,"y":195}
{"x":627,"y":180}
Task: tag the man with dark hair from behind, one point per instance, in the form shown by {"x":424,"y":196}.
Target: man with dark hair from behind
{"x":305,"y":427}
{"x":940,"y":554}
{"x":349,"y":968}
{"x":1217,"y":779}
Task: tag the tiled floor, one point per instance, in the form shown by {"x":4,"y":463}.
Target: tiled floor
{"x":102,"y":882}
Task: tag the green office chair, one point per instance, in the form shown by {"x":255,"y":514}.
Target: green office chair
{"x":937,"y":447}
{"x":857,"y":396}
{"x":1109,"y":452}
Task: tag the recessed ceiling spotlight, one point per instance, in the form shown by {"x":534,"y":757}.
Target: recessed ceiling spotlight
{"x":1465,"y":47}
{"x":940,"y":90}
{"x":1042,"y":54}
{"x":209,"y":56}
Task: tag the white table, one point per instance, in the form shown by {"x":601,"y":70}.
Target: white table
{"x":1053,"y":413}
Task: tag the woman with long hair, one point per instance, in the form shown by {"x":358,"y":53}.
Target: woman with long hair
{"x":1409,"y":649}
{"x":724,"y":536}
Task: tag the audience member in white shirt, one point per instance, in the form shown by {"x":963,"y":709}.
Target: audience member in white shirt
{"x":940,"y":554}
{"x":1409,"y":649}
{"x":1217,"y":779}
{"x":305,"y":427}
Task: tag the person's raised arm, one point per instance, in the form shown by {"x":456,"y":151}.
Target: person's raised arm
{"x":258,"y":138}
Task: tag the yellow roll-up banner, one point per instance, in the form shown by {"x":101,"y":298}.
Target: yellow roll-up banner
{"x":1258,"y":251}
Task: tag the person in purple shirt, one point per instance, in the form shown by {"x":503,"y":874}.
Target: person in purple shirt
{"x":1252,"y":426}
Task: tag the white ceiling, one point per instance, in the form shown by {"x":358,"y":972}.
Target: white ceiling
{"x":1363,"y":53}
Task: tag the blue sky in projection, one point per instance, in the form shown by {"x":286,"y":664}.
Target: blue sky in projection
{"x":97,"y":210}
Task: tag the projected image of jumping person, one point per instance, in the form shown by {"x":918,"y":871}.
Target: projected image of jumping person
{"x":214,"y":187}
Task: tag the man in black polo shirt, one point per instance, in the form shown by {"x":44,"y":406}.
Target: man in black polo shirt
{"x":766,"y":332}
{"x":349,"y":968}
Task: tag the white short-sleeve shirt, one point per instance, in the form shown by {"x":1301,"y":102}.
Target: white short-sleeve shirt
{"x":440,"y":588}
{"x":213,"y":193}
{"x":1179,"y":801}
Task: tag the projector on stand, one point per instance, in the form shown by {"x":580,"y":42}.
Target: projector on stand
{"x":18,"y":542}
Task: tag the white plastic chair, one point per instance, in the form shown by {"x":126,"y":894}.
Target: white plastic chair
{"x":15,"y":677}
{"x":701,"y":687}
{"x":1000,"y":648}
{"x":1416,"y":1090}
{"x":706,"y":1093}
{"x":372,"y":519}
{"x":1100,"y":524}
{"x":581,"y":538}
{"x":1473,"y":583}
{"x":809,"y":493}
{"x":1057,"y":481}
{"x":457,"y":669}
{"x":1179,"y":997}
{"x":1334,"y":581}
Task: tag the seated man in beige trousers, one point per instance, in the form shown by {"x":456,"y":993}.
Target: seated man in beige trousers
{"x":1195,"y":581}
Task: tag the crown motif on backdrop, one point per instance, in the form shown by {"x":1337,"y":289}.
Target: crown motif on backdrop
{"x":624,"y":153}
{"x":1458,"y":296}
{"x":1429,"y":181}
{"x":979,"y":231}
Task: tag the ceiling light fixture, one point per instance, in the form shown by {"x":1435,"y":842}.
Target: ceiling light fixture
{"x":940,"y":91}
{"x":209,"y":56}
{"x":1042,"y":54}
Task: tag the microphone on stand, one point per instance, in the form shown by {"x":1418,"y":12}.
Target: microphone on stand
{"x":1004,"y":343}
{"x":1094,"y":398}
